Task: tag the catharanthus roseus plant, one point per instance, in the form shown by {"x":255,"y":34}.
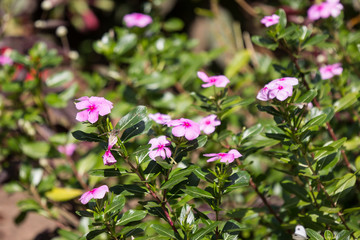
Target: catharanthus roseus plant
{"x":165,"y":143}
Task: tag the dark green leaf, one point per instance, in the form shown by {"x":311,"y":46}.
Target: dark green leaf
{"x":164,"y":231}
{"x":293,"y":188}
{"x":204,"y":231}
{"x":314,"y":40}
{"x":343,"y":235}
{"x":94,"y":233}
{"x":139,"y":128}
{"x":131,"y":216}
{"x":197,"y":192}
{"x":116,"y":205}
{"x":307,"y":97}
{"x":132,"y":118}
{"x":105,"y":172}
{"x":265,"y":42}
{"x":88,"y":137}
{"x":254,"y":130}
{"x":313,"y":235}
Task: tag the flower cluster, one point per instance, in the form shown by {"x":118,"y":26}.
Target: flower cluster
{"x":224,"y":157}
{"x":270,"y":20}
{"x":94,"y":106}
{"x":137,"y":20}
{"x":325,"y":10}
{"x":329,"y":71}
{"x":96,"y":193}
{"x":280,"y":89}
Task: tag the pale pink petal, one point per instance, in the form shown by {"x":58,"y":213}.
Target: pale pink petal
{"x":178,"y":131}
{"x":82,"y":105}
{"x":235,"y":153}
{"x":221,"y":81}
{"x":282,"y":95}
{"x":206,"y":85}
{"x":108,"y":158}
{"x":93,"y":116}
{"x":153,"y":154}
{"x":203,"y":76}
{"x":100,"y":192}
{"x":82,"y":116}
{"x":85,"y":98}
{"x":86,"y":197}
{"x":167,"y":152}
{"x":263,"y":94}
{"x":212,"y":159}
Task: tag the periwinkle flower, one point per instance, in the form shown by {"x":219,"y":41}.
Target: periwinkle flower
{"x":270,"y":20}
{"x":217,"y":81}
{"x":325,"y":10}
{"x":108,"y":158}
{"x":159,"y":148}
{"x":330,"y":71}
{"x":160,"y":118}
{"x":185,"y":127}
{"x":67,"y":149}
{"x":208,"y":124}
{"x":137,"y":20}
{"x":94,"y":106}
{"x":228,"y":157}
{"x":280,"y":89}
{"x":96,"y":193}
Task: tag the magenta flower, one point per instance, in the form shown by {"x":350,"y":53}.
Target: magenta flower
{"x":325,"y":10}
{"x":224,"y":157}
{"x":137,"y":20}
{"x":217,"y":81}
{"x":281,"y":89}
{"x":108,"y":158}
{"x":5,"y":60}
{"x":96,"y":193}
{"x":208,"y":124}
{"x":185,"y":127}
{"x":270,"y":20}
{"x":93,"y":107}
{"x":67,"y":149}
{"x":160,"y":118}
{"x":329,"y":71}
{"x":158,"y":148}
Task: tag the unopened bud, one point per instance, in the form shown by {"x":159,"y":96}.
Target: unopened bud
{"x":73,"y":55}
{"x":112,"y":140}
{"x":40,"y":24}
{"x":61,"y":31}
{"x":46,"y":5}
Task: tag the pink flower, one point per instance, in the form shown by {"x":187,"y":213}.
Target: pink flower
{"x":5,"y":60}
{"x":281,"y":89}
{"x":93,"y":107}
{"x":270,"y":20}
{"x":325,"y":9}
{"x":96,"y":193}
{"x":329,"y":71}
{"x":218,"y":81}
{"x":224,"y":157}
{"x":158,"y":148}
{"x":160,"y":118}
{"x":207,"y":124}
{"x":185,"y":127}
{"x":108,"y":158}
{"x":137,"y":20}
{"x":67,"y":149}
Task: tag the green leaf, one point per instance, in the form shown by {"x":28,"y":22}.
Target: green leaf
{"x":94,"y":233}
{"x":344,"y":183}
{"x":88,"y":137}
{"x":335,"y":146}
{"x":328,"y":235}
{"x":132,"y":118}
{"x":254,"y":130}
{"x":164,"y":231}
{"x":282,"y":21}
{"x":125,"y":43}
{"x":316,"y":121}
{"x":265,"y":42}
{"x":143,"y":126}
{"x":351,"y":210}
{"x":307,"y":97}
{"x":197,"y":192}
{"x":240,"y":60}
{"x":346,"y":101}
{"x":85,"y":214}
{"x":59,"y":78}
{"x":314,"y":40}
{"x":105,"y":172}
{"x":35,"y":149}
{"x":141,"y":153}
{"x":116,"y":205}
{"x":292,"y":187}
{"x":237,"y":180}
{"x":343,"y":235}
{"x":204,"y":231}
{"x":131,"y":216}
{"x":177,"y":176}
{"x":313,"y":235}
{"x":68,"y":235}
{"x":173,"y":24}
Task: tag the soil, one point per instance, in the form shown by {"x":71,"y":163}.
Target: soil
{"x":34,"y":227}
